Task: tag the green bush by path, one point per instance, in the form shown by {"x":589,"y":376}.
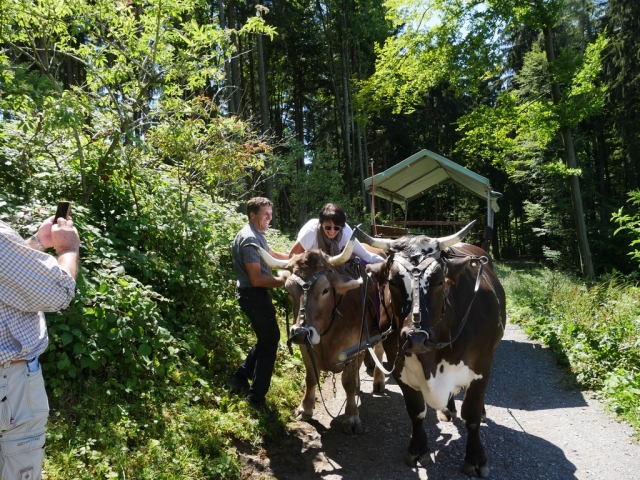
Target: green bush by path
{"x":137,"y":364}
{"x":187,"y":433}
{"x":593,"y":328}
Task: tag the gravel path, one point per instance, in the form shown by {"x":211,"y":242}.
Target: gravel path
{"x":539,"y":426}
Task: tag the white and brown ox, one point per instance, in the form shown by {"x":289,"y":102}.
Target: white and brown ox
{"x":328,"y":320}
{"x":448,"y":309}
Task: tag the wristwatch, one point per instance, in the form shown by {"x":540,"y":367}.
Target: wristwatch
{"x":36,"y":241}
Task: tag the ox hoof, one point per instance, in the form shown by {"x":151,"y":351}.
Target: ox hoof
{"x":413,"y":459}
{"x":476,"y":471}
{"x":378,"y":387}
{"x":303,"y":417}
{"x":302,"y":414}
{"x":352,"y":427}
{"x":446,"y":415}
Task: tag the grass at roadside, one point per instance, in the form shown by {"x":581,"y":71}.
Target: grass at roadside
{"x":190,"y":432}
{"x":593,"y":328}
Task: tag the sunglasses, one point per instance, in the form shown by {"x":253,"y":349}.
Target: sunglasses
{"x":335,"y":228}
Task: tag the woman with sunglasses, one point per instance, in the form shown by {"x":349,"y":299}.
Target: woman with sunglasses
{"x":330,"y":233}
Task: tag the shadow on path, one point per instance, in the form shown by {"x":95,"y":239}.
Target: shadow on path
{"x":533,"y":430}
{"x":526,"y":376}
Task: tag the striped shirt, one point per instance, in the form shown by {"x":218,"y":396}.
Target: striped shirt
{"x":31,"y":282}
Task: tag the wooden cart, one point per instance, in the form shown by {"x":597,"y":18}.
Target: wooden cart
{"x":417,"y":175}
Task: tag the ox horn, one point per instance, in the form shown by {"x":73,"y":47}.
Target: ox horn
{"x":266,"y":256}
{"x":446,"y":242}
{"x":382,"y":243}
{"x":345,"y":255}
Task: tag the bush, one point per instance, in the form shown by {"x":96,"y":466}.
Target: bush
{"x":593,"y":328}
{"x":137,"y":362}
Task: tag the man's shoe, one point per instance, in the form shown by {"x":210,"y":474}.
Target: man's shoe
{"x":255,"y":404}
{"x":260,"y":407}
{"x":238,"y":385}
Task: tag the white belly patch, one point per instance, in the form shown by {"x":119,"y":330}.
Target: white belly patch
{"x":436,"y":389}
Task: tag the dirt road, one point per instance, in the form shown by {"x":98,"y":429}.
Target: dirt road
{"x":539,"y":426}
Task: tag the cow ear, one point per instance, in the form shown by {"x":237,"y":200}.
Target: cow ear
{"x":343,"y":284}
{"x":380,"y":271}
{"x":283,"y":275}
{"x":453,"y":268}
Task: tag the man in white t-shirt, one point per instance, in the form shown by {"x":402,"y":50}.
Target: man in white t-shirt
{"x":330,"y":233}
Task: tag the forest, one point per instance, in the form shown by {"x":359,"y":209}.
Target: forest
{"x":302,"y":101}
{"x":158,"y":119}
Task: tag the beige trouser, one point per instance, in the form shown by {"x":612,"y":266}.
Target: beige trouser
{"x":23,"y":415}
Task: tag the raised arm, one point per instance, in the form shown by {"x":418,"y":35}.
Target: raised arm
{"x":365,"y":255}
{"x":259,"y":279}
{"x":279,"y":256}
{"x":297,"y":248}
{"x":63,"y":237}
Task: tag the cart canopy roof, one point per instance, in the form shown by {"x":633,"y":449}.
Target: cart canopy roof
{"x":424,"y":171}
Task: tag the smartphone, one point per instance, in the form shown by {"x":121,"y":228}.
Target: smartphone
{"x":64,"y":209}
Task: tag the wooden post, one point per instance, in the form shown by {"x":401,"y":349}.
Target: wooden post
{"x":373,"y":204}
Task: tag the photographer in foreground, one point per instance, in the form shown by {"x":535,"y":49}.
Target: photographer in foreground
{"x":31,"y":282}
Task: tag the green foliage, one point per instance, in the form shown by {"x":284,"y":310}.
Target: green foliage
{"x":193,"y":433}
{"x":523,"y":125}
{"x":155,"y":314}
{"x":417,"y":59}
{"x":115,"y":319}
{"x":621,"y":69}
{"x":314,"y":184}
{"x":492,"y":58}
{"x":593,"y":328}
{"x":586,"y":96}
{"x":630,"y":222}
{"x":135,"y":70}
{"x":137,"y":363}
{"x":519,"y":135}
{"x":189,"y":438}
{"x":200,"y":147}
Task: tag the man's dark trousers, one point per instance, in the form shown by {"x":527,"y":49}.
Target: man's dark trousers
{"x":256,"y":303}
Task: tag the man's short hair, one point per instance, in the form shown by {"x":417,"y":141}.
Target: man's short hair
{"x":334,"y":213}
{"x":254,"y":204}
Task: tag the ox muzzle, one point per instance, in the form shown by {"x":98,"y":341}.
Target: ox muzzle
{"x":300,"y":335}
{"x":418,"y":341}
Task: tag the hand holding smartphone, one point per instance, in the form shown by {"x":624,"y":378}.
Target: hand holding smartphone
{"x":63,"y":211}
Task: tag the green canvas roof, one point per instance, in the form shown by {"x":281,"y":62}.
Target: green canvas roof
{"x":424,"y":171}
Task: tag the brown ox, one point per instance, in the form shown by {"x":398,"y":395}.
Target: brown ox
{"x":328,"y":320}
{"x":448,"y":309}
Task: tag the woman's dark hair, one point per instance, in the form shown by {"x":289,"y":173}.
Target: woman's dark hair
{"x":334,"y":213}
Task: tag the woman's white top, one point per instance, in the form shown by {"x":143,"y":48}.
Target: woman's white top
{"x":308,"y":238}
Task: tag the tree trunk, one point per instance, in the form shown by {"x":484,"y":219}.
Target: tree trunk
{"x":235,"y":67}
{"x":298,"y":109}
{"x":346,"y":131}
{"x":363,"y":192}
{"x":264,"y":101}
{"x":367,"y":199}
{"x":252,"y":83}
{"x":340,"y":118}
{"x":262,"y":82}
{"x":227,"y":63}
{"x":572,"y":163}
